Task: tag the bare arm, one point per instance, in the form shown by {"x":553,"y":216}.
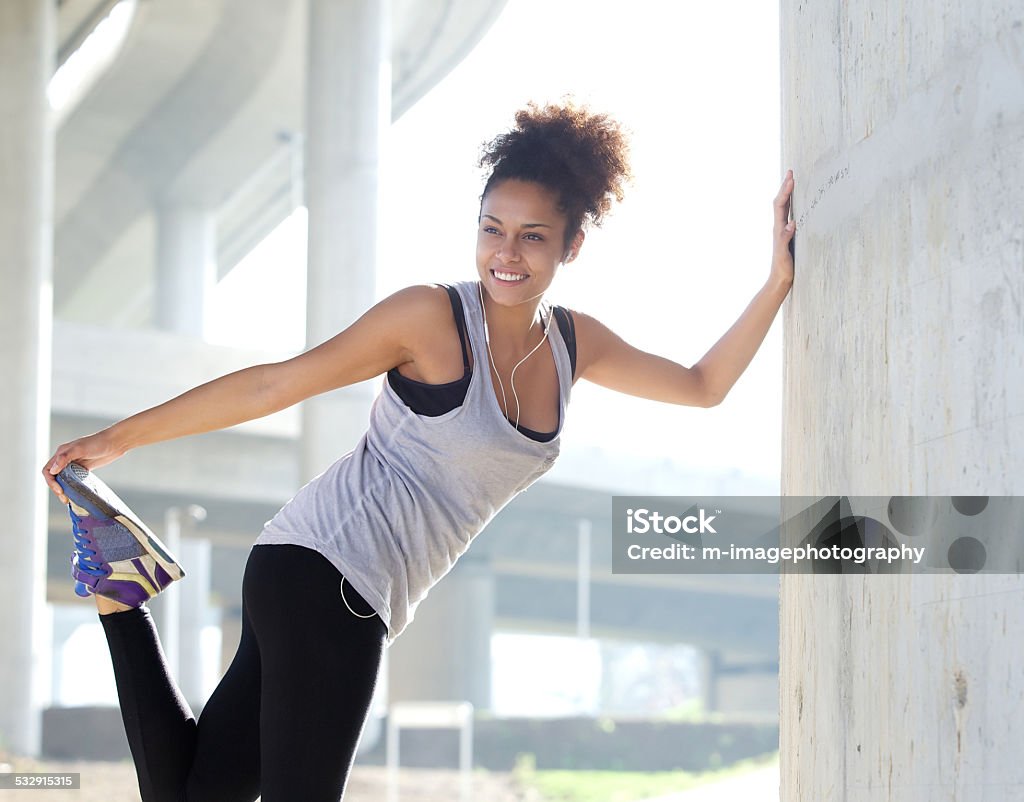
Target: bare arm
{"x":373,"y":344}
{"x":721,"y":367}
{"x":611,"y":362}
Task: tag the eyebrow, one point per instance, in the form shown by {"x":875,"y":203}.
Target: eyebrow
{"x":525,"y":225}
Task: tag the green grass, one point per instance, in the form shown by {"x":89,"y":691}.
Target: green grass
{"x":621,"y":786}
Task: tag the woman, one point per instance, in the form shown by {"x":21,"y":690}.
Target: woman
{"x":468,"y":416}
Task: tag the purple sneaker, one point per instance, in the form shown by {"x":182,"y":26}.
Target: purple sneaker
{"x":116,"y":555}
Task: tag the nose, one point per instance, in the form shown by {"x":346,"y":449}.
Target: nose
{"x":508,"y":252}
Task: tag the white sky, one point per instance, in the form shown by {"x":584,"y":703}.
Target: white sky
{"x":676,"y":263}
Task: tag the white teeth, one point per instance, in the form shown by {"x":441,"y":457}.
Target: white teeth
{"x":509,"y":276}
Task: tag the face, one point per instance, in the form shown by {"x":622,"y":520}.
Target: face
{"x":520,"y":241}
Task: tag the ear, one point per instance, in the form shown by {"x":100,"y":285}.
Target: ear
{"x":574,"y":248}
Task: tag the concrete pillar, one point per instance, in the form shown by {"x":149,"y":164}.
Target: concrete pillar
{"x":27,"y":47}
{"x":445,"y":654}
{"x":66,"y":619}
{"x":904,"y":363}
{"x":710,"y":661}
{"x":348,"y":106}
{"x":166,"y":607}
{"x":170,"y":608}
{"x":746,"y":684}
{"x":62,"y":630}
{"x":195,"y":614}
{"x":230,"y":636}
{"x":186,"y":267}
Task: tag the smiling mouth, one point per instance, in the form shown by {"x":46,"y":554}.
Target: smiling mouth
{"x":503,"y":275}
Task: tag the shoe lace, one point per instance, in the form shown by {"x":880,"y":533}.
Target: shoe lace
{"x":86,"y":564}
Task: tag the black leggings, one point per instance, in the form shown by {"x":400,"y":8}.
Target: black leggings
{"x":286,"y":717}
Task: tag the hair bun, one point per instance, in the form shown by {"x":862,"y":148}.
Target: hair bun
{"x":581,"y":155}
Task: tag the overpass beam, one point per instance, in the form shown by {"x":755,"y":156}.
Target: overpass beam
{"x":27,"y":45}
{"x":347,"y":106}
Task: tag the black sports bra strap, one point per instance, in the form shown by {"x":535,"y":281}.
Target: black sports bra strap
{"x":460,"y":320}
{"x":567,"y":327}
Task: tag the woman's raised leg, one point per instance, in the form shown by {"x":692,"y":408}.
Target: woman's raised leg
{"x":178,"y":759}
{"x":159,"y":724}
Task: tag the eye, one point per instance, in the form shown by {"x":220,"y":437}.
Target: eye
{"x":490,"y":230}
{"x":536,"y":237}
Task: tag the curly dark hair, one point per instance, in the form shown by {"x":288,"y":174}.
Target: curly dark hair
{"x":581,"y":156}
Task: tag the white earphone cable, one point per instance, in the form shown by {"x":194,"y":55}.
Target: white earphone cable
{"x":512,"y":376}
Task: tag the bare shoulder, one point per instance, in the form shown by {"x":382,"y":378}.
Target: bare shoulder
{"x":420,"y":308}
{"x":590,"y":334}
{"x":605,"y":358}
{"x":584,"y":331}
{"x":580,"y":319}
{"x":424,"y":330}
{"x":390,"y":333}
{"x":599,"y":350}
{"x":420,"y":298}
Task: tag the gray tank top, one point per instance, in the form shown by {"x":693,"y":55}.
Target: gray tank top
{"x":396,"y":512}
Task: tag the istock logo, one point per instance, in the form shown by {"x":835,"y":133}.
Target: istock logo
{"x":642,"y":520}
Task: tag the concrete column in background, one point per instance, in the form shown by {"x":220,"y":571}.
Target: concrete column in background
{"x":173,"y":609}
{"x":445,"y":654}
{"x":194,"y":611}
{"x":347,"y":108}
{"x":710,"y":660}
{"x":737,"y":683}
{"x":64,"y":625}
{"x":27,"y":47}
{"x":166,"y":607}
{"x":230,"y":636}
{"x":186,"y":267}
{"x":904,"y":369}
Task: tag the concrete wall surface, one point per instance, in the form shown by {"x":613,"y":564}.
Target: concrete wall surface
{"x":904,"y":374}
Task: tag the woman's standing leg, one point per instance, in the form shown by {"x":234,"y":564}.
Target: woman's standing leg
{"x":227,"y":758}
{"x":320,"y":665}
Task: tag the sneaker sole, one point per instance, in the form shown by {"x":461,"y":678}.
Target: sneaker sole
{"x":92,"y":496}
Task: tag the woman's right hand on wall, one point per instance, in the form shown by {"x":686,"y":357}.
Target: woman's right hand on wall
{"x":93,"y":451}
